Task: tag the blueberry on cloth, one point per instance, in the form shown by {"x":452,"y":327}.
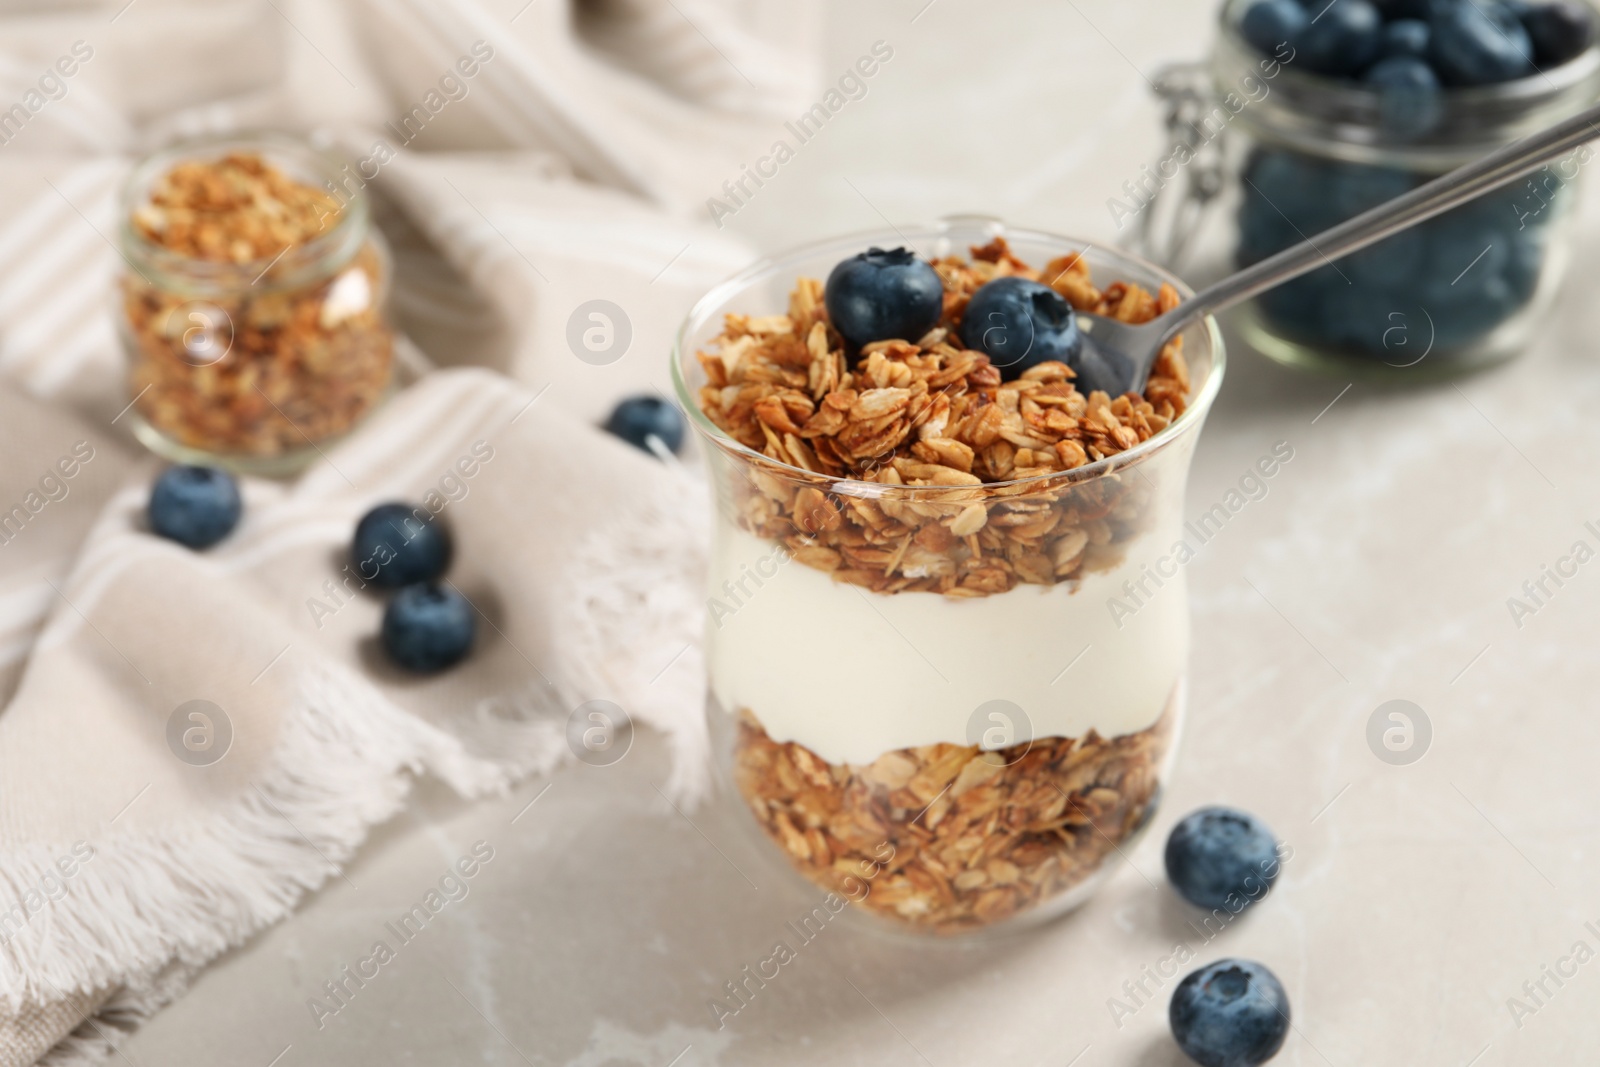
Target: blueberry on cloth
{"x":1020,"y":324}
{"x":1267,"y":24}
{"x":639,"y":418}
{"x":1221,"y":858}
{"x":1342,"y":40}
{"x":397,"y":544}
{"x":1477,"y":42}
{"x":427,"y":628}
{"x":1231,"y":1013}
{"x":883,"y":295}
{"x":1559,"y":31}
{"x":194,"y":506}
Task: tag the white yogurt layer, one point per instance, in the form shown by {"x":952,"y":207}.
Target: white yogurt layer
{"x":852,"y":674}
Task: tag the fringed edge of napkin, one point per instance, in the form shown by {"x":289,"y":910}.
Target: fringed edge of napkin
{"x":343,"y":763}
{"x":147,"y":912}
{"x":641,"y":637}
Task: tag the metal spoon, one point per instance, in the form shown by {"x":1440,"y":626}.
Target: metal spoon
{"x":1117,"y":357}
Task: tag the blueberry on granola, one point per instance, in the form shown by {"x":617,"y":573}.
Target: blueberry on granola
{"x":882,"y":296}
{"x":639,"y":418}
{"x":1231,"y":1013}
{"x":194,"y":506}
{"x":427,"y":628}
{"x":1222,"y":858}
{"x":1020,"y":324}
{"x":397,"y":544}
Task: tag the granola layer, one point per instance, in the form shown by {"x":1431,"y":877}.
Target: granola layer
{"x":237,"y":209}
{"x":951,"y":837}
{"x":973,"y":509}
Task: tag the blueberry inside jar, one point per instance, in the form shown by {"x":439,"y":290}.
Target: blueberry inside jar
{"x":1326,"y":117}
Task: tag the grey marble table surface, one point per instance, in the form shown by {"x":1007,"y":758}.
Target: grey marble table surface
{"x":1420,"y":900}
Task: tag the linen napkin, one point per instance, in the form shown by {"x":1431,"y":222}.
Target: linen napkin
{"x":190,"y":742}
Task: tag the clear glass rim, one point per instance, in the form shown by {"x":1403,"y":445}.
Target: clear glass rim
{"x":1533,"y":88}
{"x":296,"y":265}
{"x":1191,"y":419}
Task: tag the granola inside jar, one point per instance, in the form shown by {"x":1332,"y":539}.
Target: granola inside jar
{"x":252,"y":303}
{"x":948,"y":626}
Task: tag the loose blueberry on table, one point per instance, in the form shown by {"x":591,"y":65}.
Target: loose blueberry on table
{"x":194,"y":506}
{"x":1231,"y":1013}
{"x":882,"y":296}
{"x":640,"y":418}
{"x":1222,"y":858}
{"x":427,"y":628}
{"x":397,"y":545}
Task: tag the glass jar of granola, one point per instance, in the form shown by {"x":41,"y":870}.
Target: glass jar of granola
{"x":948,"y":626}
{"x":1286,"y":153}
{"x":252,"y":303}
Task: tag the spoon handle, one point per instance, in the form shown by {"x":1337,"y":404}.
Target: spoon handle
{"x":1498,"y":168}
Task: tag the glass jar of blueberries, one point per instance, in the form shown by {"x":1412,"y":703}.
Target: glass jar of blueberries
{"x":1328,"y":108}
